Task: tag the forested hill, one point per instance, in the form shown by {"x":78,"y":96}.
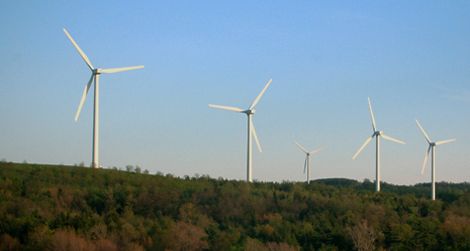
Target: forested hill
{"x":45,"y":207}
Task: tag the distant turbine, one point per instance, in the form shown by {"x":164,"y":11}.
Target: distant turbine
{"x":251,"y":128}
{"x":377,"y":134}
{"x":432,"y":146}
{"x":307,"y":159}
{"x":95,"y":74}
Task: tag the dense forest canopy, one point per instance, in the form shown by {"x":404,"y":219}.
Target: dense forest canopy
{"x":45,"y":207}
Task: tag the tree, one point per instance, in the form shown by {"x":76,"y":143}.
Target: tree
{"x":184,"y":236}
{"x":8,"y":243}
{"x":130,"y":168}
{"x":66,"y":240}
{"x":363,"y":236}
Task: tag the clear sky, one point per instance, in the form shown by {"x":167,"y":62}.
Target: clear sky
{"x":325,"y":58}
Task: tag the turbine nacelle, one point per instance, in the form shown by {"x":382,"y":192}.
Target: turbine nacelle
{"x":249,"y":112}
{"x":378,"y":133}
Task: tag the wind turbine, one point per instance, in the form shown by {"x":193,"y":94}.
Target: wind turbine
{"x":251,"y":127}
{"x":307,"y":159}
{"x":432,"y":150}
{"x":377,"y":134}
{"x":95,"y":75}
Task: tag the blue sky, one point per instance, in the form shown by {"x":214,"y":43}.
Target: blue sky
{"x":325,"y":59}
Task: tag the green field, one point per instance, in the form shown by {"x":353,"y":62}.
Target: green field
{"x":50,"y":207}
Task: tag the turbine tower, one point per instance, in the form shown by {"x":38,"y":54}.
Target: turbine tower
{"x":307,"y":159}
{"x":377,"y":134}
{"x":432,"y":150}
{"x":95,"y":75}
{"x":251,"y":128}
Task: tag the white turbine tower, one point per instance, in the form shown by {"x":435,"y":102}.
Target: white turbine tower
{"x":307,"y":159}
{"x":432,"y":150}
{"x":251,"y":128}
{"x":95,"y":74}
{"x":377,"y":134}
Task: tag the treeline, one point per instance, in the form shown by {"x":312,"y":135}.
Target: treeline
{"x":76,"y":208}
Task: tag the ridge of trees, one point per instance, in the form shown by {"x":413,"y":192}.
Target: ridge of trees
{"x":56,"y":207}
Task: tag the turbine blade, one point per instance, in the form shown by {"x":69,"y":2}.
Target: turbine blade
{"x":428,"y":139}
{"x":305,"y":164}
{"x":82,"y":54}
{"x":374,"y":126}
{"x":82,"y":100}
{"x":442,"y":142}
{"x":228,"y":108}
{"x":301,"y":147}
{"x":253,"y":132}
{"x":316,"y":151}
{"x":255,"y":102}
{"x":362,"y":147}
{"x":114,"y":70}
{"x":426,"y":154}
{"x":392,"y":139}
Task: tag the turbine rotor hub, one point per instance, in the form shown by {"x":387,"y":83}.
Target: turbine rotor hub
{"x":249,"y":112}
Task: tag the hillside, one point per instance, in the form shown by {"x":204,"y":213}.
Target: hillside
{"x":45,"y":207}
